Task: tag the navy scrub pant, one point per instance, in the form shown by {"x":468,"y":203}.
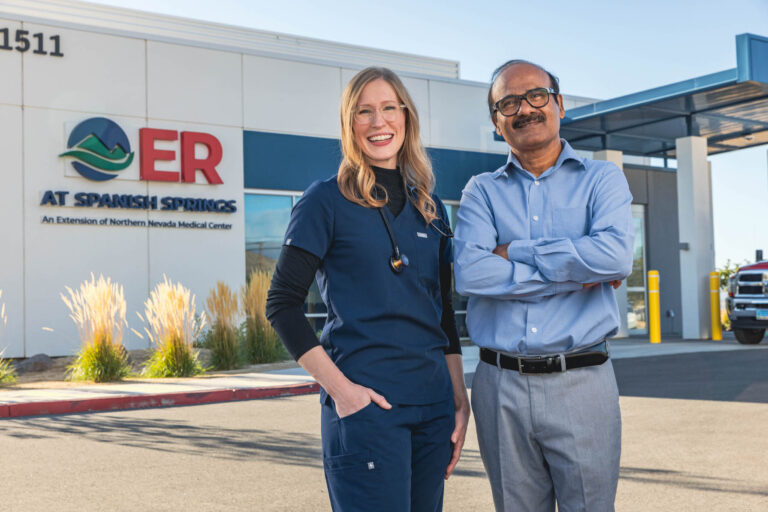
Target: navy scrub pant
{"x":387,"y":460}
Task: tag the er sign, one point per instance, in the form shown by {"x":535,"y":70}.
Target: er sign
{"x":100,"y":149}
{"x":189,"y":163}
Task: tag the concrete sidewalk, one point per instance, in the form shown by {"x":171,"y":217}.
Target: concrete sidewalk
{"x":134,"y":394}
{"x":138,"y":394}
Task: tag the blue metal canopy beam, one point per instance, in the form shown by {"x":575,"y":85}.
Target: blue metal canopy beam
{"x":729,"y":108}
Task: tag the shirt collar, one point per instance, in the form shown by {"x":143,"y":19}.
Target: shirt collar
{"x":566,"y":154}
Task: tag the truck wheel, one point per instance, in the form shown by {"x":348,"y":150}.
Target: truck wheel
{"x":749,"y":336}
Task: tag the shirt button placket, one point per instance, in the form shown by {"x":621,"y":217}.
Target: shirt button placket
{"x":535,"y":202}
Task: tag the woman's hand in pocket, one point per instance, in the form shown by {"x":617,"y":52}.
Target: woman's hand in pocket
{"x":355,"y":397}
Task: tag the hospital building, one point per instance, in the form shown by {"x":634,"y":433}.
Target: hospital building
{"x":137,"y":145}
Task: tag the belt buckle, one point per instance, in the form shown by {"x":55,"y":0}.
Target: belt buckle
{"x":549,"y":361}
{"x":520,"y":362}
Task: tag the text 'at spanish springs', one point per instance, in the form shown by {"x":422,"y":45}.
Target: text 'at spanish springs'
{"x":139,"y":202}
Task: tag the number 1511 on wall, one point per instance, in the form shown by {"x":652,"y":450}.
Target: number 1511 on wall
{"x":36,"y":43}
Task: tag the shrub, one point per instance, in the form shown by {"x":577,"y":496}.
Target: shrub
{"x":7,"y":371}
{"x":172,"y":325}
{"x":98,"y":310}
{"x":222,"y":337}
{"x":261,"y":343}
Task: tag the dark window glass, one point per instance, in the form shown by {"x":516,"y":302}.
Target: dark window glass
{"x":266,"y":219}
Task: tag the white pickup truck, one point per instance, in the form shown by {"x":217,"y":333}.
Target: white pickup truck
{"x":747,"y":302}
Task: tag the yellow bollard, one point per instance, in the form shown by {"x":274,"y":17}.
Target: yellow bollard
{"x":654,"y":314}
{"x":714,"y":305}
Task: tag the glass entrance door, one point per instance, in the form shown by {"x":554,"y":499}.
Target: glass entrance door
{"x":636,"y":287}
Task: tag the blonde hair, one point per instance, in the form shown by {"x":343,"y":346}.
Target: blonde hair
{"x":355,"y":177}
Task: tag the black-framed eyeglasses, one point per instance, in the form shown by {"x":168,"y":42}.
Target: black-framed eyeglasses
{"x":509,"y":105}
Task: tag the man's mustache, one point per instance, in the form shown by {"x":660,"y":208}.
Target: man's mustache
{"x":533,"y":117}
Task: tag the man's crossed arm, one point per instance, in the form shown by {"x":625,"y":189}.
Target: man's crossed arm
{"x":546,"y":266}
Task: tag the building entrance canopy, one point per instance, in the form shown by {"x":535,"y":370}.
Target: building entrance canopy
{"x":729,"y":108}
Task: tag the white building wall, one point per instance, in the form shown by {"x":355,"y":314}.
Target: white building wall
{"x":460,"y":119}
{"x":11,"y":203}
{"x":291,"y":97}
{"x":99,"y":74}
{"x":194,"y":85}
{"x":11,"y":227}
{"x":10,"y":70}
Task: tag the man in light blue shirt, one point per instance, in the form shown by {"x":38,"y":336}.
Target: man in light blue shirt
{"x":540,"y":245}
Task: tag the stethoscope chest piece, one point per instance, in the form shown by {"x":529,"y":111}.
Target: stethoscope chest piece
{"x":398,"y":264}
{"x":398,"y":261}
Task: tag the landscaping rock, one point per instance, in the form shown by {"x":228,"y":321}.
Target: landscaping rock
{"x":36,"y":363}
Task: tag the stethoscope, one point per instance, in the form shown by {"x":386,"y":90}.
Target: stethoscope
{"x":398,"y":261}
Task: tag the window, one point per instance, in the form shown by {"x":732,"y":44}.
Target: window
{"x":636,"y":297}
{"x":266,"y":219}
{"x":459,"y":301}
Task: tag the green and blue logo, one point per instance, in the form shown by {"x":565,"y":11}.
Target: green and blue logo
{"x":99,"y":149}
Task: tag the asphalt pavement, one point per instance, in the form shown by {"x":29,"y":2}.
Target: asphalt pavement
{"x":681,"y":455}
{"x":694,"y":417}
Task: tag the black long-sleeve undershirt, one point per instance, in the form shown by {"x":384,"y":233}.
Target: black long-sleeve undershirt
{"x":296,"y":270}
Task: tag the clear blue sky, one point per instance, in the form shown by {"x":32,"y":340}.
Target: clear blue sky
{"x":600,"y":49}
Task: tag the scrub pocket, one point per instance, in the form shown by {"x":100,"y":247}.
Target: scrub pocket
{"x":353,"y":472}
{"x":427,"y":259}
{"x":355,"y":462}
{"x":358,"y":413}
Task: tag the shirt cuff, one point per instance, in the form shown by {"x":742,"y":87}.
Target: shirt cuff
{"x":568,"y":286}
{"x":521,"y":251}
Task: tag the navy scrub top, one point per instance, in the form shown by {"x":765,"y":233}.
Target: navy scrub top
{"x":383,"y":329}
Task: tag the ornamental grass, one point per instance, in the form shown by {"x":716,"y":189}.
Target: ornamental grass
{"x":261,"y":343}
{"x":98,"y":309}
{"x":7,"y":370}
{"x":221,"y":339}
{"x":172,"y":325}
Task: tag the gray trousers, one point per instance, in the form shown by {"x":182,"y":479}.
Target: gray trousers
{"x":550,"y":437}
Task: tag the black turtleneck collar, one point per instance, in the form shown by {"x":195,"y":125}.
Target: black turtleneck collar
{"x":391,"y":180}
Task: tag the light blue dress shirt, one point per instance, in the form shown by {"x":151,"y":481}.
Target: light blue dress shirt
{"x":571,"y":225}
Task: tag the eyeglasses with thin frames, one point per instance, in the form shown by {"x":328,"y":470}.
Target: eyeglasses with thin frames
{"x":365,"y":114}
{"x":509,"y":105}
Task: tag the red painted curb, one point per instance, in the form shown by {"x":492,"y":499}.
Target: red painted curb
{"x":119,"y":403}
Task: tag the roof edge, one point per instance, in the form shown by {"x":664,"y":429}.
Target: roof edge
{"x":628,"y":101}
{"x":174,"y":29}
{"x":752,"y":58}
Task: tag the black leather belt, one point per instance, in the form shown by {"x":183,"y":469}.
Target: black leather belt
{"x":593,"y":356}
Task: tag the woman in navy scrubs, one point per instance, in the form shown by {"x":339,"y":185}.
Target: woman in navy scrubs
{"x":394,"y":406}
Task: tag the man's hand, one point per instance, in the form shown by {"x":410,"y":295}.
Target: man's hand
{"x":501,"y":250}
{"x":587,"y":286}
